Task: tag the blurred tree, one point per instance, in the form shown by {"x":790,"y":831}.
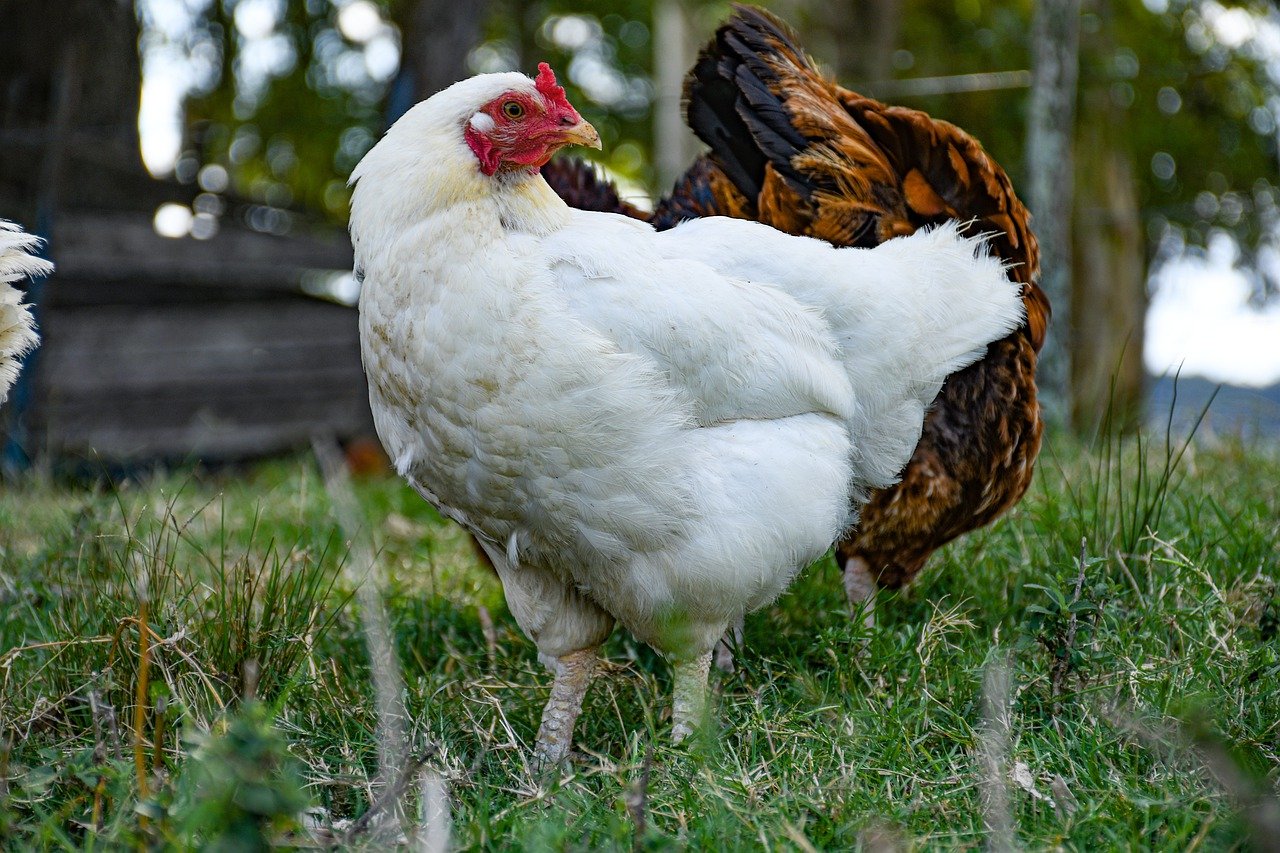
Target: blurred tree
{"x":288,"y":131}
{"x":675,"y":46}
{"x":1177,"y":106}
{"x":607,"y":55}
{"x":1178,"y":118}
{"x":436,"y":36}
{"x":298,"y":89}
{"x":1049,"y":190}
{"x":1107,"y":296}
{"x":857,"y":38}
{"x":294,"y":102}
{"x":1178,"y":102}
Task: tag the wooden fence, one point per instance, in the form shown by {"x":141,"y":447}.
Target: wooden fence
{"x":167,"y":349}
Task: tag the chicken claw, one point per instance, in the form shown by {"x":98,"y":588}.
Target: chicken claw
{"x":573,"y":674}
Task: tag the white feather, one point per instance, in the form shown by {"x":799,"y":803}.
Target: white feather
{"x":658,"y":428}
{"x":17,"y":328}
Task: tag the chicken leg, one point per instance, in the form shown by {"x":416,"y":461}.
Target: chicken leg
{"x":573,"y":674}
{"x":727,"y":647}
{"x":860,"y":589}
{"x":689,"y":708}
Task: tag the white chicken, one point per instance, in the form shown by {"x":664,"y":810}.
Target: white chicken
{"x":655,"y":428}
{"x":17,"y":328}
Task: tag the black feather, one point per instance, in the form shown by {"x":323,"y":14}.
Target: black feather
{"x":578,"y":183}
{"x":712,"y":114}
{"x":691,"y":197}
{"x":733,"y":105}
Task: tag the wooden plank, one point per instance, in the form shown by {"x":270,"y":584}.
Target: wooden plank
{"x":217,"y":381}
{"x":255,"y":399}
{"x":182,"y":377}
{"x":137,"y":349}
{"x":228,"y":324}
{"x":63,"y":292}
{"x":125,"y":247}
{"x":197,"y":441}
{"x":122,"y":428}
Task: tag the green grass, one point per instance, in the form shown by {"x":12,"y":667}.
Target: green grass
{"x":1142,"y":711}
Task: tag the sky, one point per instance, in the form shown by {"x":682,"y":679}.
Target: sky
{"x":1199,"y":320}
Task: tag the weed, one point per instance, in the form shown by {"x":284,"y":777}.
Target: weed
{"x":241,"y":790}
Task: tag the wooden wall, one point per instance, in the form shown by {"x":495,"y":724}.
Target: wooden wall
{"x":213,"y":381}
{"x":158,"y":349}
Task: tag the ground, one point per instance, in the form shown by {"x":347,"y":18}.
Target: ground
{"x":1133,"y":704}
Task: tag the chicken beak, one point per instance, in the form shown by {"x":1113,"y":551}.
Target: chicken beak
{"x":581,"y":133}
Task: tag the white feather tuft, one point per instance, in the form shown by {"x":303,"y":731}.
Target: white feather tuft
{"x":17,"y":327}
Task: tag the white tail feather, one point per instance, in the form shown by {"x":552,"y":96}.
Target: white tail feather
{"x":17,"y":327}
{"x":906,"y":314}
{"x":938,"y":301}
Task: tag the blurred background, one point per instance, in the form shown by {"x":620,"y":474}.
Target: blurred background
{"x":187,"y":160}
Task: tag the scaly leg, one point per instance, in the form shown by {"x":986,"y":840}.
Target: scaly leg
{"x":723,"y":654}
{"x":555,"y":735}
{"x":860,"y":588}
{"x":690,"y":706}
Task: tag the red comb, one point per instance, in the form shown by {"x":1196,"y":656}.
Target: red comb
{"x":549,"y":89}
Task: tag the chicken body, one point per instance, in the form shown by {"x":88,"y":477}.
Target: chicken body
{"x":17,"y":327}
{"x":657,"y":428}
{"x":791,"y":149}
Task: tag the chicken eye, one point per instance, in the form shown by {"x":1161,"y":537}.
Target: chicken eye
{"x":513,"y":109}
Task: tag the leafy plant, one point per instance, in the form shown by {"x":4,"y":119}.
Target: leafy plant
{"x":1064,"y":624}
{"x":242,"y":790}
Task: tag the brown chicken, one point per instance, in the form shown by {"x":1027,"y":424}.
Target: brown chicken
{"x":792,"y":149}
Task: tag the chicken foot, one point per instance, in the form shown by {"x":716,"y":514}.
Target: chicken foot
{"x":573,"y":674}
{"x":689,"y":707}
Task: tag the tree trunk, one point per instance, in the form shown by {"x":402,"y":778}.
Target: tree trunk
{"x":528,"y":16}
{"x":437,"y":35}
{"x":674,"y":50}
{"x":1109,"y":296}
{"x":864,"y":34}
{"x":1055,"y":49}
